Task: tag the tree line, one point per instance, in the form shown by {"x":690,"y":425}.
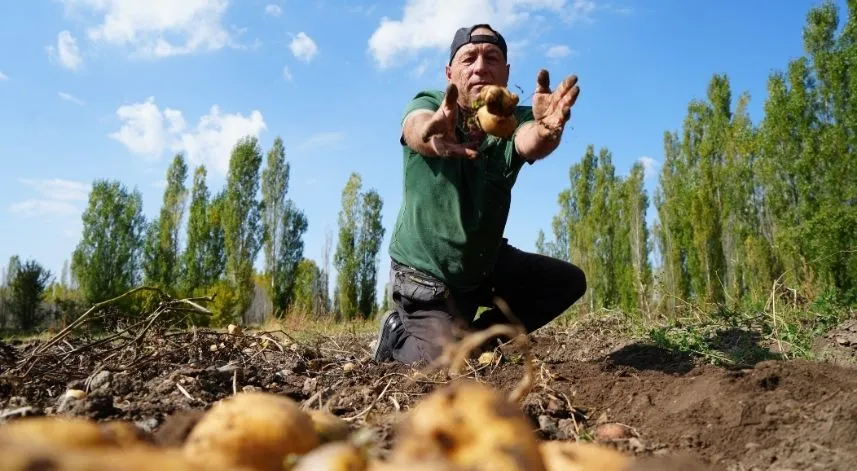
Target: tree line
{"x":225,"y":232}
{"x":742,"y":209}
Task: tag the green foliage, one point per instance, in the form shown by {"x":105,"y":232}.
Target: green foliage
{"x":106,"y":261}
{"x":308,"y":293}
{"x":226,"y":305}
{"x":275,"y":184}
{"x":241,"y":213}
{"x":345,"y":259}
{"x":26,"y":290}
{"x":601,"y":228}
{"x":371,"y":233}
{"x":161,"y":259}
{"x":290,"y":252}
{"x":360,"y":236}
{"x":283,"y":227}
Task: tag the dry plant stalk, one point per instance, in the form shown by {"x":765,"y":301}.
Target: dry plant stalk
{"x":168,"y":304}
{"x":514,"y":331}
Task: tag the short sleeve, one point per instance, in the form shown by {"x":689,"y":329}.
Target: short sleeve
{"x":524,"y":115}
{"x":424,"y":100}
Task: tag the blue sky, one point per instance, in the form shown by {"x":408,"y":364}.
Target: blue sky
{"x":113,"y":88}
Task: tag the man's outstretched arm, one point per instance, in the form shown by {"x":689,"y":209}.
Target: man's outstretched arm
{"x":432,"y":133}
{"x":551,"y":111}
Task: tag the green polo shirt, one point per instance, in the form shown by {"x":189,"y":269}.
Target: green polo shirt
{"x":454,"y":210}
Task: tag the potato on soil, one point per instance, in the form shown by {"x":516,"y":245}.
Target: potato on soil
{"x":254,"y":430}
{"x":71,"y":433}
{"x":329,"y":427}
{"x":337,"y":456}
{"x":41,"y":457}
{"x":576,"y":456}
{"x":471,"y":426}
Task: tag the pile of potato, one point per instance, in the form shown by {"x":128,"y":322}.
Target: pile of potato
{"x":461,"y":426}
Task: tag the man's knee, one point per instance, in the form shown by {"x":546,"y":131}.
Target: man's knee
{"x":573,"y":284}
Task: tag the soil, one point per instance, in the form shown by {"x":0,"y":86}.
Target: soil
{"x":590,"y":383}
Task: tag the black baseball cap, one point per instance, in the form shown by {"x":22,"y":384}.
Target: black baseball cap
{"x":465,"y":36}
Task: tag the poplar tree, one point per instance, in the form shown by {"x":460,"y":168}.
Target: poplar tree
{"x":241,"y":213}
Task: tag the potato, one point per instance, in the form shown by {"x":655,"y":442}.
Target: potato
{"x":329,"y":427}
{"x":498,"y":100}
{"x":255,"y":430}
{"x":471,"y":426}
{"x":337,"y":456}
{"x":404,"y":464}
{"x":613,"y":431}
{"x":500,"y":126}
{"x":28,"y":458}
{"x":495,"y":111}
{"x":70,"y":432}
{"x":576,"y":456}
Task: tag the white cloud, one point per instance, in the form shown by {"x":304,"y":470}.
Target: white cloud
{"x":273,"y":10}
{"x":66,"y":52}
{"x":149,"y":132}
{"x":303,"y":47}
{"x":287,"y":74}
{"x":59,"y":189}
{"x":430,"y":24}
{"x":320,"y":139}
{"x":421,"y":69}
{"x":558,"y":51}
{"x":3,"y":76}
{"x":57,"y":197}
{"x":42,"y":207}
{"x":157,"y":28}
{"x":65,"y":96}
{"x":649,"y":166}
{"x":144,"y":132}
{"x":215,"y":135}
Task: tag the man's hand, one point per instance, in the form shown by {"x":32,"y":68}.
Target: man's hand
{"x":553,"y":109}
{"x":438,"y":132}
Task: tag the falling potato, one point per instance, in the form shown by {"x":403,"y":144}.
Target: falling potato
{"x":495,"y":111}
{"x":254,"y":430}
{"x":576,"y":456}
{"x":471,"y":426}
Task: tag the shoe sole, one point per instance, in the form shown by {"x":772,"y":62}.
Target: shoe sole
{"x":380,"y":333}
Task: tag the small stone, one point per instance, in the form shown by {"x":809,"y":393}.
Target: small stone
{"x":310,"y":385}
{"x":234,"y":329}
{"x":548,"y":425}
{"x":100,"y":380}
{"x":636,"y":445}
{"x":212,"y":348}
{"x":147,"y":425}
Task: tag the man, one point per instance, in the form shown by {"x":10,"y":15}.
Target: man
{"x":449,"y":256}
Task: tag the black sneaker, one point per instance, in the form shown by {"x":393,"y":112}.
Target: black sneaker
{"x":390,"y":324}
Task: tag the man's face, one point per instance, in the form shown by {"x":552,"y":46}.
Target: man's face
{"x":474,"y":66}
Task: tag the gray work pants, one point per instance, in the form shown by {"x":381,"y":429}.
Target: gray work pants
{"x":537,"y":289}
